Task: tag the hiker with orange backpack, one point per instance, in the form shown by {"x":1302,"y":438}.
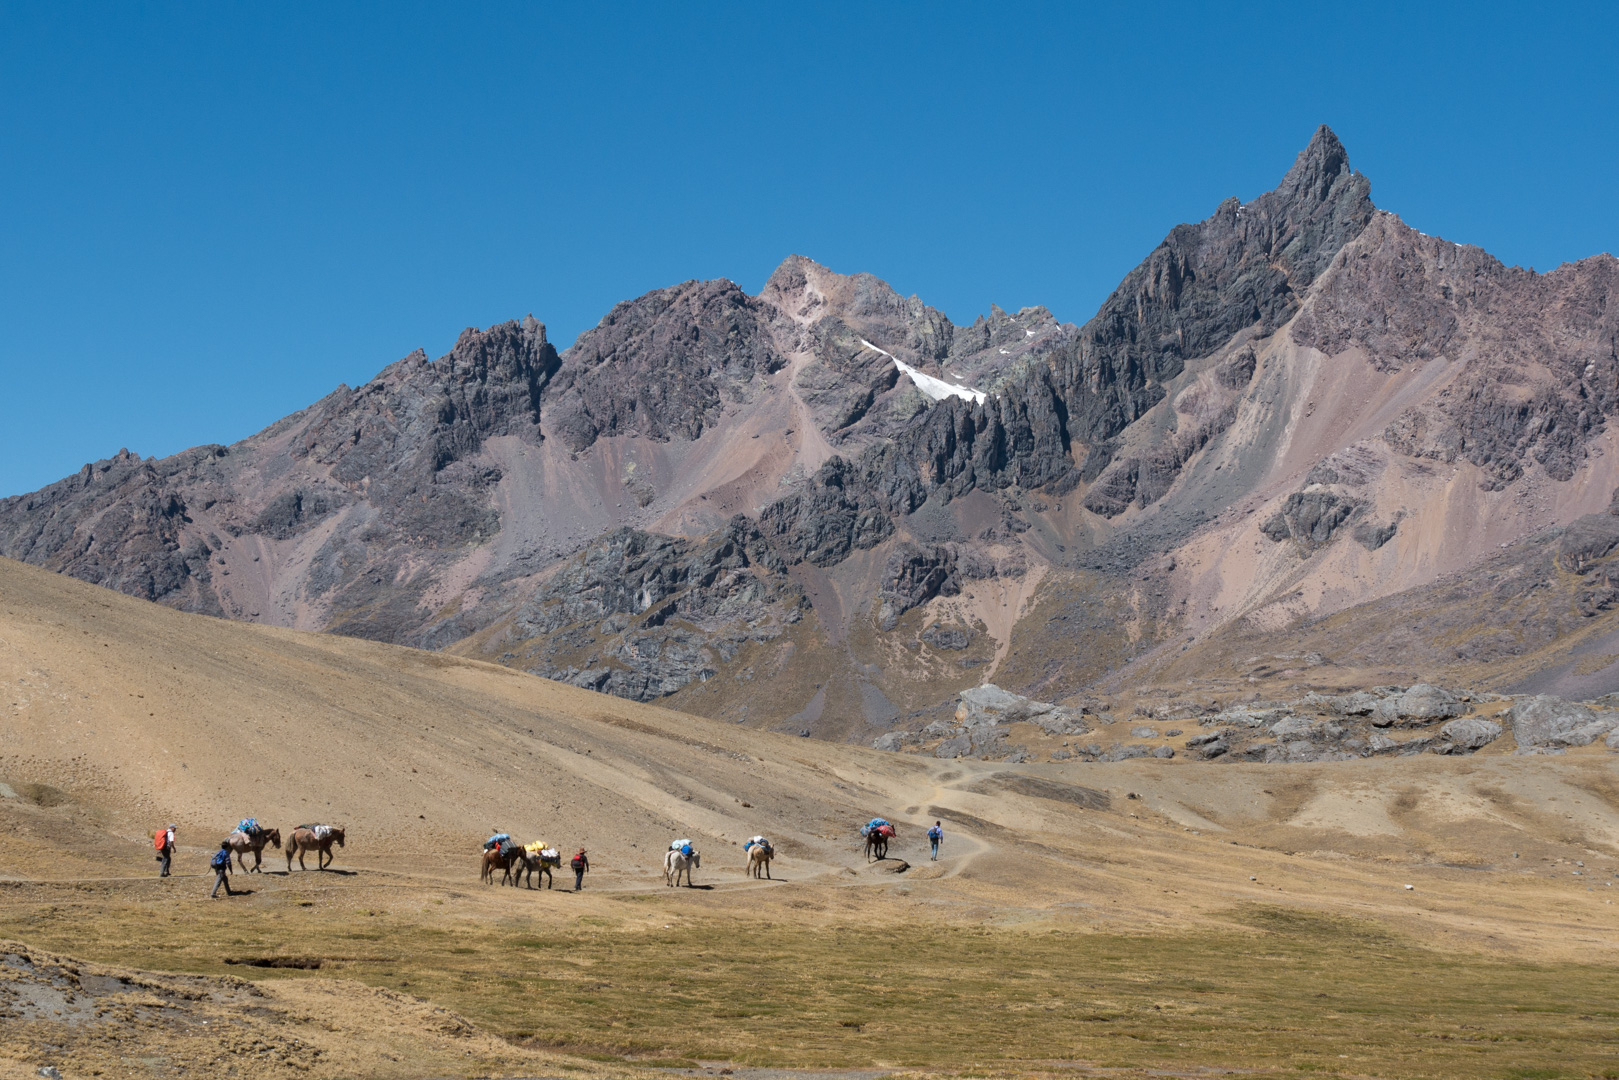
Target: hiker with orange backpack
{"x":163,"y":841}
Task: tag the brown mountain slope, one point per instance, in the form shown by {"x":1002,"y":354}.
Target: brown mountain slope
{"x":121,"y":714}
{"x":1294,"y":407}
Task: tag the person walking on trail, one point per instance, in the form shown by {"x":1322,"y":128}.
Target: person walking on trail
{"x":164,"y":842}
{"x":936,"y":834}
{"x":221,"y":866}
{"x":580,"y":864}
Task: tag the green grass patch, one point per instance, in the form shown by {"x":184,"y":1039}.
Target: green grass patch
{"x":1285,"y":993}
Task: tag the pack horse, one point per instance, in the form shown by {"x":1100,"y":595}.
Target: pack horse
{"x":251,"y":836}
{"x":316,"y":838}
{"x":681,"y":858}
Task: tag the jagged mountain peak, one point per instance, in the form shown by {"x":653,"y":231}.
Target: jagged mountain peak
{"x":833,"y":486}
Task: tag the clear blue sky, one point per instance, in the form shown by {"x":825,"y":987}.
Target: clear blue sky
{"x":212,"y":214}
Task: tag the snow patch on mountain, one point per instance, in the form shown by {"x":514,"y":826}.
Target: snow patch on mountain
{"x":935,"y":388}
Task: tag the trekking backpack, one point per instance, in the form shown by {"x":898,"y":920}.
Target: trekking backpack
{"x":160,"y":839}
{"x":578,"y":863}
{"x":935,"y":833}
{"x":220,"y":860}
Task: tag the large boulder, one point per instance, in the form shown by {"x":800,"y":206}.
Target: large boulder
{"x":1293,"y":725}
{"x":989,"y":704}
{"x":1359,"y":703}
{"x":1472,"y":732}
{"x":1547,"y":721}
{"x":1421,"y":704}
{"x":1250,"y":716}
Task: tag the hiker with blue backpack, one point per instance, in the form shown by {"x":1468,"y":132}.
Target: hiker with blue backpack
{"x":221,"y":867}
{"x":936,"y":834}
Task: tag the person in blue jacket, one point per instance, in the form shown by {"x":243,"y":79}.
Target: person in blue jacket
{"x":221,"y":867}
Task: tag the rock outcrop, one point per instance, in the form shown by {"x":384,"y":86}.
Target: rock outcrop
{"x":1544,"y":721}
{"x":832,"y":485}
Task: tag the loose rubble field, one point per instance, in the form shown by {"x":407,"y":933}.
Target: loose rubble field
{"x":995,"y":725}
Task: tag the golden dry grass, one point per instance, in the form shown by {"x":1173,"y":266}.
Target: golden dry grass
{"x":1193,"y":926}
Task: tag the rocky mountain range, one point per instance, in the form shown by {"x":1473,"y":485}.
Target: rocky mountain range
{"x":1298,"y":427}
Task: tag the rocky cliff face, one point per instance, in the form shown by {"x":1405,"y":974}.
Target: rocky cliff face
{"x":1296,"y":411}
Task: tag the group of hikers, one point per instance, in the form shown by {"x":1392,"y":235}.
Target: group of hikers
{"x":248,"y":836}
{"x":500,"y":852}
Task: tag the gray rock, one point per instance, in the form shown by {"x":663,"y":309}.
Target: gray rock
{"x":954,"y":747}
{"x":1359,"y":703}
{"x":988,"y":738}
{"x":948,"y":637}
{"x":1298,"y":750}
{"x":989,"y":704}
{"x":1060,"y":755}
{"x":1122,"y":752}
{"x":1471,"y":732}
{"x":1613,"y":739}
{"x":1425,"y":702}
{"x":1060,"y":721}
{"x":1163,"y":752}
{"x":1250,"y":716}
{"x":1311,"y":518}
{"x":1205,"y":739}
{"x":1214,"y":749}
{"x":1545,"y":720}
{"x":912,"y":576}
{"x":892,"y":740}
{"x":1421,"y":704}
{"x":1293,"y":725}
{"x":1141,"y":731}
{"x":1380,"y":743}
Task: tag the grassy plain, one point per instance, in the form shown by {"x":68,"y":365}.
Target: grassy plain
{"x":644,"y":979}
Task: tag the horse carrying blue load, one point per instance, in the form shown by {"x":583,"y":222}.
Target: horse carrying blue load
{"x":878,"y":832}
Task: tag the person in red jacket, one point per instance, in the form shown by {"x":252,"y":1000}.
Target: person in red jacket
{"x":164,"y":842}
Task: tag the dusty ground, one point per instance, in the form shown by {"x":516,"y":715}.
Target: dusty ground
{"x":1121,"y":917}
